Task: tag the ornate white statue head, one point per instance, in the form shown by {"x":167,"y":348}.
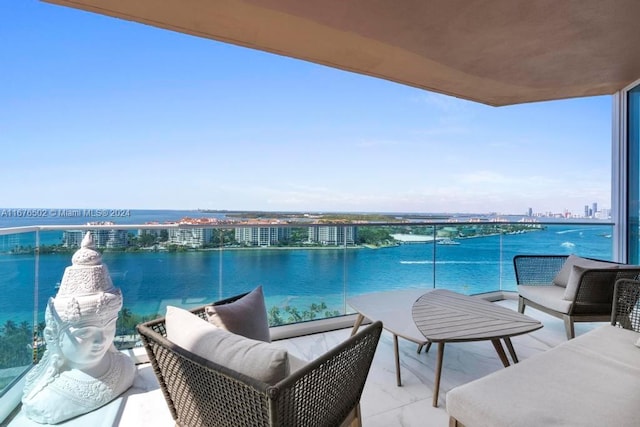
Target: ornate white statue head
{"x":81,"y":370}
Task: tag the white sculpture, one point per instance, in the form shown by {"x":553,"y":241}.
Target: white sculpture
{"x":81,"y":370}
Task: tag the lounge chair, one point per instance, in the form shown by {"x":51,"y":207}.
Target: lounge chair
{"x":572,"y":288}
{"x":199,"y":392}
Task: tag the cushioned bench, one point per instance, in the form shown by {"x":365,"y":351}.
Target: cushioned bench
{"x":591,"y":380}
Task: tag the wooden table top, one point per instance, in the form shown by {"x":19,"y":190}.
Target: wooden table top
{"x":445,"y":316}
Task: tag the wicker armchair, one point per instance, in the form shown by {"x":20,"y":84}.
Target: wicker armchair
{"x":592,"y":301}
{"x":626,"y":305}
{"x":325,"y":392}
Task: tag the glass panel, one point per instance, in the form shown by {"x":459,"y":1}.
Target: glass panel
{"x":18,"y":266}
{"x":391,"y":257}
{"x":633,"y":201}
{"x":307,"y":272}
{"x":468,"y":257}
{"x":481,"y":258}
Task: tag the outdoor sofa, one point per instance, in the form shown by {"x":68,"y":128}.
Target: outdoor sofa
{"x":591,"y":380}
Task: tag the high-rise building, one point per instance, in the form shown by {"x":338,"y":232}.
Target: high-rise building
{"x":191,"y":237}
{"x":72,"y":238}
{"x":102,"y":238}
{"x":262,"y":236}
{"x":333,"y":234}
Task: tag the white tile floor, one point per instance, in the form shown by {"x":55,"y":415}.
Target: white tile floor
{"x":383,"y":403}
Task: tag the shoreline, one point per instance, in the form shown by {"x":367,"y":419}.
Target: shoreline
{"x":183,"y":250}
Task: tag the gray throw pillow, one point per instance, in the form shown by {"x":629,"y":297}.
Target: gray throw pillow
{"x":562,"y":278}
{"x":246,"y":316}
{"x":603,"y":279}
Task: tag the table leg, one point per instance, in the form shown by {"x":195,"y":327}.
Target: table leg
{"x":512,"y":351}
{"x":436,"y":384}
{"x":500,"y":350}
{"x":396,"y":353}
{"x":357,"y":324}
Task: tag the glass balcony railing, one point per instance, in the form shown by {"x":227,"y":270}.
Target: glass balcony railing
{"x":307,"y":272}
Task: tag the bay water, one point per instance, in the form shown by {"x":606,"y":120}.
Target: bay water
{"x":296,"y":277}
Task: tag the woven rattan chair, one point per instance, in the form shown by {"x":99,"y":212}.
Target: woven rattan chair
{"x":626,"y":305}
{"x":325,"y":392}
{"x":594,"y":296}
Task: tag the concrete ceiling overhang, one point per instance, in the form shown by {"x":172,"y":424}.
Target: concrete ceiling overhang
{"x":497,"y":52}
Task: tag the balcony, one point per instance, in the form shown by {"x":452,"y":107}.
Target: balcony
{"x":488,"y":77}
{"x":325,"y":275}
{"x":383,"y":403}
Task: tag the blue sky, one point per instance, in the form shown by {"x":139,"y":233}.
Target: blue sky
{"x":97,"y":112}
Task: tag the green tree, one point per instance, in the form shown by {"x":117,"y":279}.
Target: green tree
{"x":15,"y":344}
{"x":275,"y":319}
{"x":146,"y":239}
{"x":373,"y":235}
{"x":294,"y":315}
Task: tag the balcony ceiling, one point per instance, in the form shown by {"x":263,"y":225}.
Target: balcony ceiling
{"x":497,"y":52}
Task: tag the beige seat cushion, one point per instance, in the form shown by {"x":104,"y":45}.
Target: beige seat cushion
{"x":550,"y":296}
{"x":259,"y":360}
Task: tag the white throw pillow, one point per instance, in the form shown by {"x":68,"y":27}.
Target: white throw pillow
{"x":246,"y":316}
{"x":256,"y":359}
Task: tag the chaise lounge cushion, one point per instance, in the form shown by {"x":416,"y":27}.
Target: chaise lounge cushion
{"x":591,"y":380}
{"x":246,"y":316}
{"x":256,"y":359}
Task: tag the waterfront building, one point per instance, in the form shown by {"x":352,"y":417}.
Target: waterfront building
{"x":72,"y":238}
{"x":102,"y":238}
{"x":262,"y":236}
{"x":190,"y":237}
{"x":333,"y":235}
{"x":156,"y":232}
{"x":111,"y":238}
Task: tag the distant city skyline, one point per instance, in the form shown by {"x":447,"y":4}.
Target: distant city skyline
{"x":102,"y":113}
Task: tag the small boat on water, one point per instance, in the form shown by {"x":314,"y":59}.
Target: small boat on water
{"x":447,"y":241}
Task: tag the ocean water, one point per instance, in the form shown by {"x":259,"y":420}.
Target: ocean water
{"x":299,"y":277}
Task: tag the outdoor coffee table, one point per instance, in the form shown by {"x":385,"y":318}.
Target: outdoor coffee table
{"x":393,"y":309}
{"x":443,"y":316}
